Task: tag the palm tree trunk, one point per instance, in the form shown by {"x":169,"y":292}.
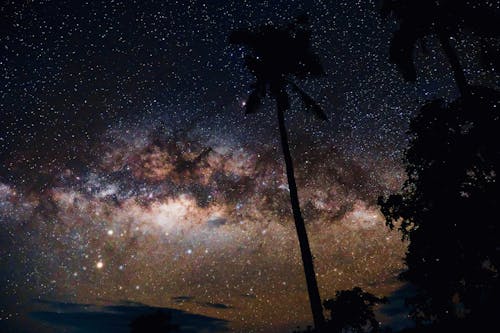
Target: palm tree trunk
{"x":312,"y":286}
{"x":451,"y":54}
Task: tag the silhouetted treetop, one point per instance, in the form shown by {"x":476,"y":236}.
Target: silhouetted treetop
{"x":352,"y":310}
{"x":446,"y":18}
{"x":277,"y":54}
{"x":448,"y":207}
{"x":279,"y":51}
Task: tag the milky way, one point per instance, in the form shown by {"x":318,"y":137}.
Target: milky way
{"x":166,"y":220}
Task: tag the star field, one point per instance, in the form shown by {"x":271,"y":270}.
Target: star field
{"x":128,"y":170}
{"x":140,"y":227}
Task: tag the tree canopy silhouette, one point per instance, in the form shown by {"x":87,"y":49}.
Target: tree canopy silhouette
{"x":446,"y":204}
{"x":448,"y":209}
{"x":277,"y":55}
{"x":352,"y":310}
{"x":419,"y":19}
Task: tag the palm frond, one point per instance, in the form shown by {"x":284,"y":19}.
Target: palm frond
{"x":302,"y":19}
{"x":386,"y":8}
{"x":254,"y":65}
{"x":309,"y":103}
{"x":242,"y":37}
{"x":253,"y":102}
{"x":401,"y":52}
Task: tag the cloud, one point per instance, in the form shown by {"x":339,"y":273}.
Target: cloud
{"x":216,"y":222}
{"x":217,"y":305}
{"x":182,"y":299}
{"x":85,"y":318}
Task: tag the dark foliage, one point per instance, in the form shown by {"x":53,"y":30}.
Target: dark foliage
{"x":419,"y":19}
{"x":277,"y":54}
{"x":352,"y":310}
{"x":448,"y":207}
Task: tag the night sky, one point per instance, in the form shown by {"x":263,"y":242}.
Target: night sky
{"x":129,"y":171}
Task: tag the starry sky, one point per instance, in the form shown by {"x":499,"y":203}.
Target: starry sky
{"x":129,"y":171}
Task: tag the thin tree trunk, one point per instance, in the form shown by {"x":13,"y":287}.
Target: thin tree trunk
{"x":312,"y":286}
{"x":458,"y":72}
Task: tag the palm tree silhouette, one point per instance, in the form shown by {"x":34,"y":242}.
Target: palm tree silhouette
{"x":422,"y":18}
{"x":276,"y":55}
